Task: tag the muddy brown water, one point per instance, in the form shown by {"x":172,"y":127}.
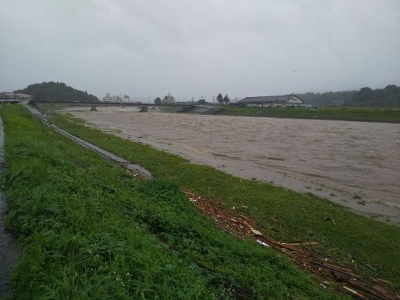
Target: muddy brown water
{"x":356,"y":164}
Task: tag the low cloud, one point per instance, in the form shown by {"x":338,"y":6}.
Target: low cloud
{"x":192,"y":48}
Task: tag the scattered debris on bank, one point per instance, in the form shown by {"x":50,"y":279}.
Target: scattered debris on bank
{"x":327,"y":273}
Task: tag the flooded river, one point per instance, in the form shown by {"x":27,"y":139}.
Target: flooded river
{"x":356,"y":164}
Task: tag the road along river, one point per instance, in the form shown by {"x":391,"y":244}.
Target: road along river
{"x":356,"y":164}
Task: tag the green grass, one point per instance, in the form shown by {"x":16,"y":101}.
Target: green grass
{"x":54,"y":106}
{"x":324,"y":113}
{"x":89,"y":230}
{"x":371,"y":247}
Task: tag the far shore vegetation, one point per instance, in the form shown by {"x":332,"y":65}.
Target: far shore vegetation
{"x":366,"y":114}
{"x":363,"y":114}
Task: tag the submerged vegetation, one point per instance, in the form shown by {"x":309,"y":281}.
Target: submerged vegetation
{"x":90,"y":230}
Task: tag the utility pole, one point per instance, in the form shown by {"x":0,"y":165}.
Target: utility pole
{"x":345,"y":100}
{"x":213,"y":99}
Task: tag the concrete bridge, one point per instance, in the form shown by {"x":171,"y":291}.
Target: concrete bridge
{"x":143,"y":106}
{"x":10,"y":101}
{"x":104,"y":103}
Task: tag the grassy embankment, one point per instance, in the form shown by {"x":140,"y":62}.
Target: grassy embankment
{"x":89,"y":230}
{"x":324,"y":113}
{"x":371,"y":247}
{"x":55,"y":106}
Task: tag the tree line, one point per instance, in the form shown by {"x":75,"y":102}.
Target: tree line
{"x":225,"y":99}
{"x":57,"y":92}
{"x":386,"y":97}
{"x":389,"y":96}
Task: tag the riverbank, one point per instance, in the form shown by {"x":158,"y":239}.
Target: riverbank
{"x":65,"y":184}
{"x":91,"y":230}
{"x":278,"y":212}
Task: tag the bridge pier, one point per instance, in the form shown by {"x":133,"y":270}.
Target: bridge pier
{"x":93,"y":108}
{"x":143,"y":109}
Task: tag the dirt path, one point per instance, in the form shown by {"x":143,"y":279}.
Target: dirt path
{"x":355,"y":164}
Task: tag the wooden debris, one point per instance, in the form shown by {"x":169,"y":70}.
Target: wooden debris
{"x":328,"y":274}
{"x":256,"y":232}
{"x":300,"y":243}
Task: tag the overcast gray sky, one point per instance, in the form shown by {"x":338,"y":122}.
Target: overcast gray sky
{"x":200,"y":48}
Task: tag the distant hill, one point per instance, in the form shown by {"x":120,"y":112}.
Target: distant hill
{"x":387,"y":97}
{"x":57,"y":91}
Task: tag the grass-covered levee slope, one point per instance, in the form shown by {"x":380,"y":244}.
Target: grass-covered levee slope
{"x":89,"y":230}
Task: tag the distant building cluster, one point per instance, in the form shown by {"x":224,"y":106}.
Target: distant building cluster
{"x":116,"y":99}
{"x":273,"y":101}
{"x":168,"y":99}
{"x":259,"y":101}
{"x":15,"y":96}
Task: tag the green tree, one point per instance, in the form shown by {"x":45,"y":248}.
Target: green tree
{"x":58,"y":92}
{"x":226,"y":99}
{"x":364,"y":96}
{"x":201,"y":102}
{"x":220,"y":98}
{"x":157,"y":101}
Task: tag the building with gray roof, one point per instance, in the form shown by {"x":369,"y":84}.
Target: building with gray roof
{"x":284,"y":100}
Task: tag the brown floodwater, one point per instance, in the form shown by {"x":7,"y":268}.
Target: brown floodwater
{"x":356,"y":164}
